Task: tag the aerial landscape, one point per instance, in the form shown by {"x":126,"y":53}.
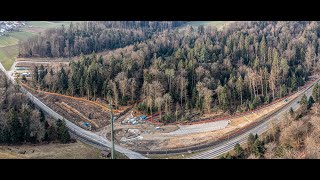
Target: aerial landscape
{"x":159,"y":90}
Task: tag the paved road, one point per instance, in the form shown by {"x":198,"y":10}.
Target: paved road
{"x":218,"y":150}
{"x":228,"y":145}
{"x":197,"y":128}
{"x":84,"y":135}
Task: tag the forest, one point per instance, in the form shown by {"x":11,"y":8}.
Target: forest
{"x":91,"y":36}
{"x":21,"y":122}
{"x":180,"y":72}
{"x":296,"y":137}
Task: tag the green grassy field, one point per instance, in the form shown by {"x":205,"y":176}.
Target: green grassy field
{"x":8,"y":55}
{"x":9,"y":43}
{"x":22,"y":35}
{"x":48,"y":24}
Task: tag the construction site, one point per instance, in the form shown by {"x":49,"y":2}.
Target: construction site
{"x":82,"y":113}
{"x":136,"y":131}
{"x":146,"y":136}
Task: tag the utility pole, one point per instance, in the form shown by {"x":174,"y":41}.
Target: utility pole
{"x":112,"y":137}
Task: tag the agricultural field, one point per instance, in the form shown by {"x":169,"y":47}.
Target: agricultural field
{"x":21,"y":35}
{"x":7,"y":55}
{"x":9,"y":43}
{"x":48,"y":24}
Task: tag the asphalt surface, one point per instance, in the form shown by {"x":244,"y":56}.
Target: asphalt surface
{"x":199,"y":128}
{"x":83,"y":135}
{"x":228,"y":145}
{"x":102,"y":143}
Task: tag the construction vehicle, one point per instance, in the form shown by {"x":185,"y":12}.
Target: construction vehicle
{"x":86,"y":124}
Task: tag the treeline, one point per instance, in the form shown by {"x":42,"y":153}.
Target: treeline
{"x":21,"y":122}
{"x":199,"y":70}
{"x":91,"y":36}
{"x":295,"y":137}
{"x":152,"y":26}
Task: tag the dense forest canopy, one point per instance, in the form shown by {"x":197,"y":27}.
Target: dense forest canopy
{"x":22,"y":122}
{"x":91,"y":36}
{"x":179,"y":72}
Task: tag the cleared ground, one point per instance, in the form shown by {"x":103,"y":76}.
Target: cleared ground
{"x":147,"y":137}
{"x":77,"y":111}
{"x":197,"y":128}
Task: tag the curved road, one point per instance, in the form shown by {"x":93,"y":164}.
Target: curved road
{"x":85,"y":136}
{"x":228,"y":145}
{"x":101,"y":142}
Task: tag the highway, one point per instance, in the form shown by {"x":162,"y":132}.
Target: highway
{"x":83,"y":135}
{"x":217,"y":150}
{"x":228,"y":145}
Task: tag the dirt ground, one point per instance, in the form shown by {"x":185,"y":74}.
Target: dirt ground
{"x":99,"y":117}
{"x":30,"y":64}
{"x":76,"y":150}
{"x":147,"y":137}
{"x":130,"y":135}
